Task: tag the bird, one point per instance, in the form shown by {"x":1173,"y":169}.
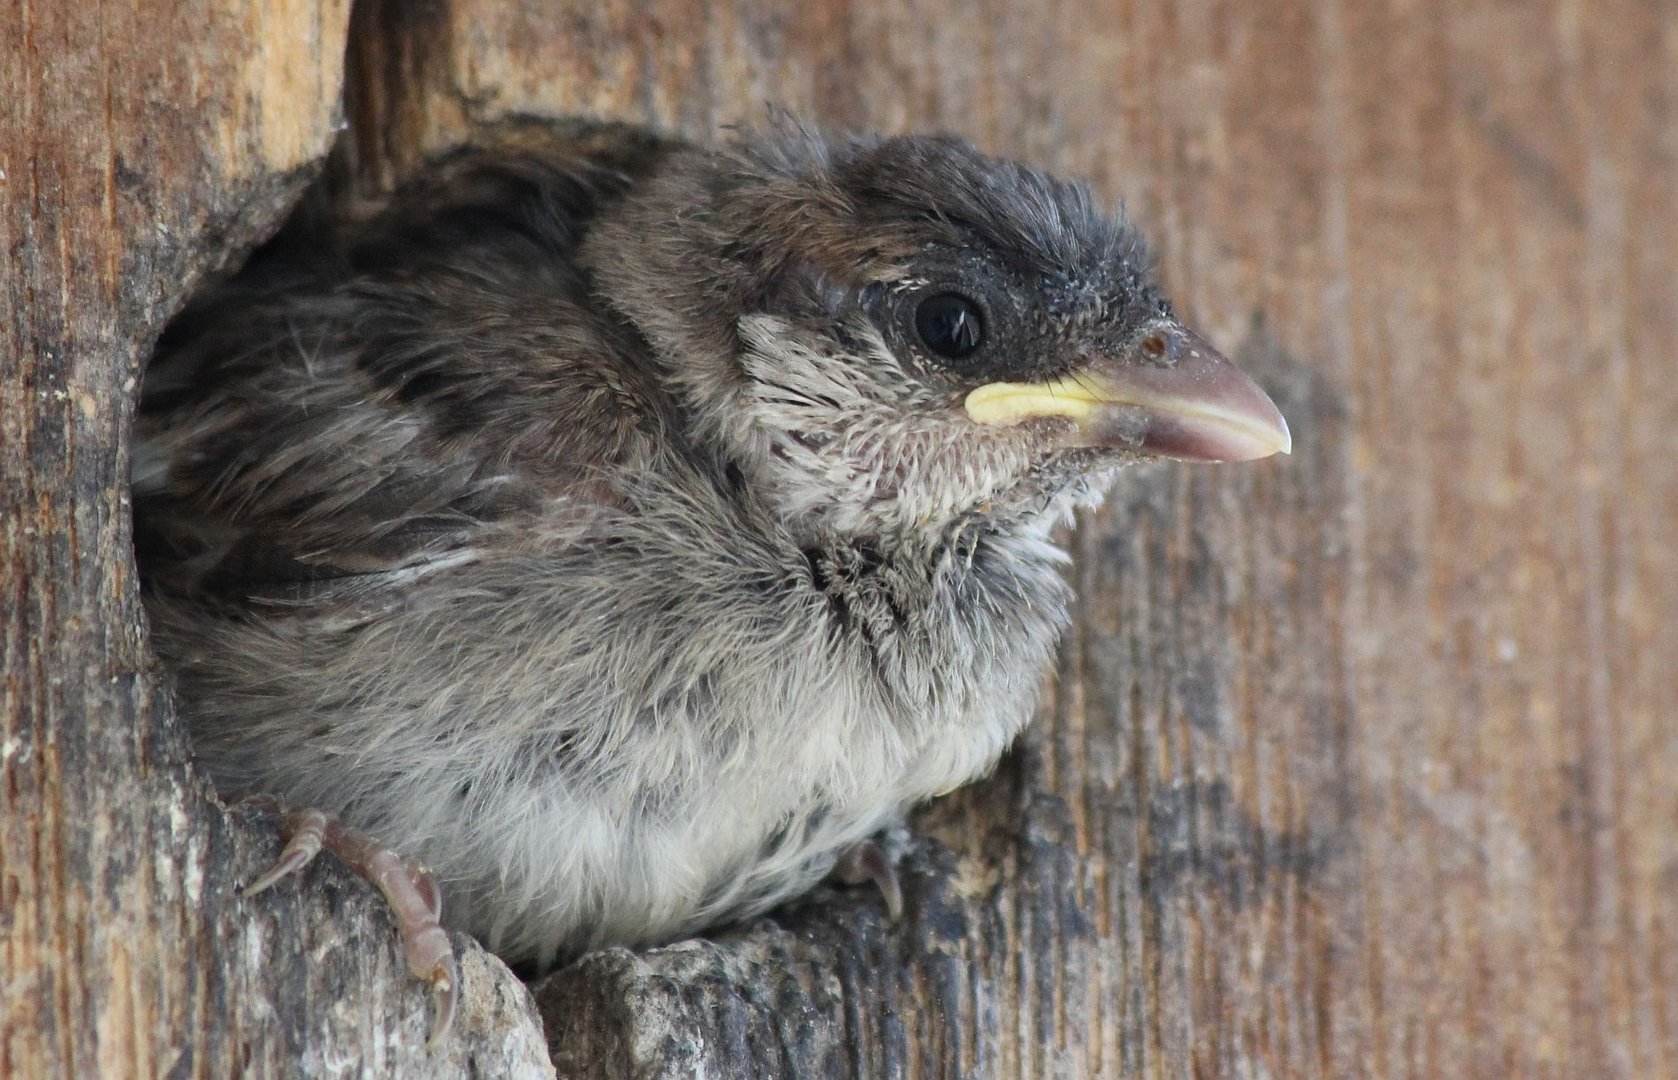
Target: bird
{"x":614,"y":533}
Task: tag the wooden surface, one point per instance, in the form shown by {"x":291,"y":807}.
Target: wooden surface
{"x":140,"y":145}
{"x":1360,"y":763}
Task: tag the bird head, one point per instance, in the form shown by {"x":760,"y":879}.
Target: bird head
{"x":888,"y":335}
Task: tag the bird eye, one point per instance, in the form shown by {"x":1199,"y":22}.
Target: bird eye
{"x":950,"y":325}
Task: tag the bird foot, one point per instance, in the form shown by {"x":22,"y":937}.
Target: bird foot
{"x":868,"y":862}
{"x":407,"y":887}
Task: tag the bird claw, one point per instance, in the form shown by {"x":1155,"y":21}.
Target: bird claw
{"x":408,"y":888}
{"x":867,"y":862}
{"x":445,"y":996}
{"x":304,"y":831}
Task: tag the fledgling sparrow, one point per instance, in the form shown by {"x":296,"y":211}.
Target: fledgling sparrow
{"x":627,"y":528}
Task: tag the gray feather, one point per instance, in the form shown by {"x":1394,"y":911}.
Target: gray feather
{"x":578,"y":521}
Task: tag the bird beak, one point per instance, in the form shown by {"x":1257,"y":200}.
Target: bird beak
{"x":1168,"y":393}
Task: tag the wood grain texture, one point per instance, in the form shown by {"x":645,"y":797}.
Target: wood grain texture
{"x":140,"y":145}
{"x":1358,"y":763}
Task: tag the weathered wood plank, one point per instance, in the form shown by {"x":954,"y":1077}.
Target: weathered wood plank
{"x":1359,"y":763}
{"x":141,"y":144}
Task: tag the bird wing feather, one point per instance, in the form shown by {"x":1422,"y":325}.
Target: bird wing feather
{"x":391,"y":389}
